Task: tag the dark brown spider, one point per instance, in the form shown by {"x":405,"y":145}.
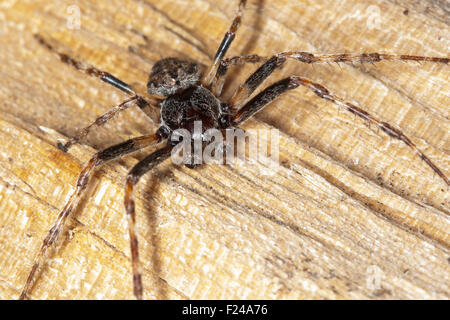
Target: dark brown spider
{"x":184,"y":96}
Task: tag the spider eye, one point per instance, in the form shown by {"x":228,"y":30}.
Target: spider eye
{"x":169,"y":81}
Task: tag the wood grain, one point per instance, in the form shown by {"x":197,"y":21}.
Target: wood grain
{"x":350,"y":213}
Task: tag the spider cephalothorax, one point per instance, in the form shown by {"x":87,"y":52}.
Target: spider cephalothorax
{"x":185,"y":96}
{"x":196,"y":103}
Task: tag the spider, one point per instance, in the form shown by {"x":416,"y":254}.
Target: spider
{"x":184,"y":95}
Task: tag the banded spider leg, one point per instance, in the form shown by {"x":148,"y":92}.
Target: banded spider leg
{"x":242,"y":112}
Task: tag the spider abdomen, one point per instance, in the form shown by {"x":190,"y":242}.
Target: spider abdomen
{"x":172,"y":75}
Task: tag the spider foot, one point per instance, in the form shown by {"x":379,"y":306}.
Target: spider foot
{"x":63,"y":147}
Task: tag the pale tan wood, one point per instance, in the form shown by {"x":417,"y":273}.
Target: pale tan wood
{"x":350,"y":213}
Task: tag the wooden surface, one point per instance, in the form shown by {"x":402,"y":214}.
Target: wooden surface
{"x":350,"y":213}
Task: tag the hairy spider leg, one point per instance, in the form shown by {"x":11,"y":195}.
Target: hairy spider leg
{"x":219,"y":80}
{"x":133,"y":176}
{"x":277,"y":61}
{"x":273,"y":91}
{"x":98,"y":122}
{"x":310,"y":58}
{"x":224,"y":46}
{"x":327,"y":58}
{"x":144,"y":104}
{"x":99,"y":158}
{"x":87,"y":69}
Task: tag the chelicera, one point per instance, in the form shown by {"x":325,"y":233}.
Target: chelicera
{"x":184,"y":95}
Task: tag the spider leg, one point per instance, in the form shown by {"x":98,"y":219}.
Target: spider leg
{"x":277,"y":61}
{"x":106,"y":77}
{"x":132,"y":178}
{"x":224,"y":46}
{"x":273,"y":91}
{"x":254,"y":81}
{"x":99,"y":158}
{"x":98,"y":122}
{"x":87,"y":69}
{"x":142,"y":103}
{"x":307,"y":57}
{"x":148,"y":107}
{"x":219,"y":80}
{"x":327,"y":58}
